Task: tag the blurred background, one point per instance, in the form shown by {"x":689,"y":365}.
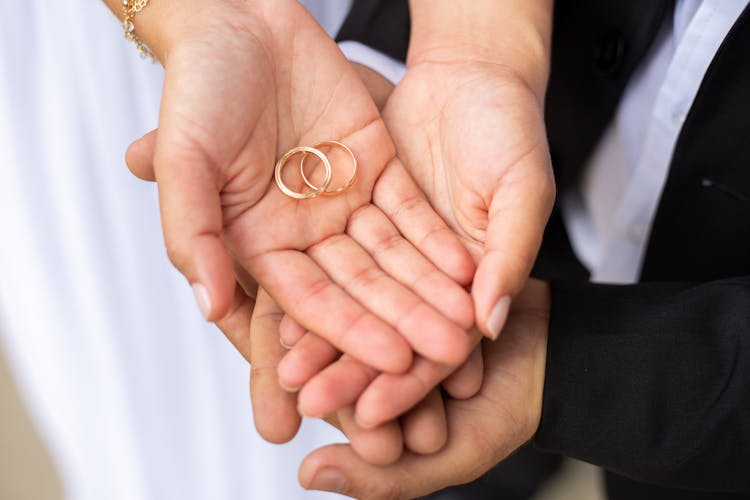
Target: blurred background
{"x":111,"y":384}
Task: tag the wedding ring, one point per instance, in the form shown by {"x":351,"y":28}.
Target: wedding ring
{"x":304,"y":150}
{"x":326,"y":191}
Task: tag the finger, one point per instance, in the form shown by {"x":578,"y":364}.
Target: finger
{"x":308,"y":357}
{"x":467,"y":380}
{"x":339,"y":469}
{"x":335,"y":387}
{"x":307,"y":293}
{"x":379,"y":397}
{"x":518,"y":214}
{"x":480,"y":432}
{"x":189,"y":198}
{"x":403,"y":203}
{"x":290,"y":332}
{"x":192,"y":223}
{"x":380,"y":445}
{"x":428,"y":331}
{"x":391,"y":395}
{"x":237,"y":324}
{"x":425,"y":427}
{"x":402,"y":261}
{"x":246,"y":282}
{"x":274,"y":410}
{"x":140,"y":157}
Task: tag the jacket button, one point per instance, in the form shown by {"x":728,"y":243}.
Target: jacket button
{"x":609,"y":53}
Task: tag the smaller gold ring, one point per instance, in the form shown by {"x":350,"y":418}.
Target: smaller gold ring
{"x":305,"y":151}
{"x":326,"y":191}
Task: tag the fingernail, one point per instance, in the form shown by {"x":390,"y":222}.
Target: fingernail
{"x":328,"y":479}
{"x":203,"y":299}
{"x":287,"y":388}
{"x":498,"y":316}
{"x":363,"y":425}
{"x":304,"y":414}
{"x":284,"y":344}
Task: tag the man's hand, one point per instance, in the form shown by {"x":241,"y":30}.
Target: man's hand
{"x":482,"y":430}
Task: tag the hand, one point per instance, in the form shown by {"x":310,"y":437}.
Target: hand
{"x":472,"y":135}
{"x":277,"y":420}
{"x":341,"y":384}
{"x":481,"y":431}
{"x":241,"y":89}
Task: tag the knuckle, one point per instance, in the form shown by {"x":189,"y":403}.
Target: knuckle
{"x":388,"y":243}
{"x":359,"y":217}
{"x":365,"y":278}
{"x":176,"y":253}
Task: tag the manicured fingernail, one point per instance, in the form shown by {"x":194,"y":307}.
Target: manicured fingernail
{"x":203,"y":299}
{"x":498,"y":316}
{"x":328,"y":479}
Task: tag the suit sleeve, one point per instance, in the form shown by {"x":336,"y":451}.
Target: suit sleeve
{"x":383,"y":25}
{"x":652,"y":381}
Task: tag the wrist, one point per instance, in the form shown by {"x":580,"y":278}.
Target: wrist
{"x":513,"y":34}
{"x":164,"y":25}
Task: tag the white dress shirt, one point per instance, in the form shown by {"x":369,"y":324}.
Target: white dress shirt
{"x":609,"y":215}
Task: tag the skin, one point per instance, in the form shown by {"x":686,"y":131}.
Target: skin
{"x":499,"y":209}
{"x":242,"y":86}
{"x":482,"y":430}
{"x":221,"y":125}
{"x":468,"y":124}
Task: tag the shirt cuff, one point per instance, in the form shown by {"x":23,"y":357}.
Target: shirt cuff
{"x":391,"y":69}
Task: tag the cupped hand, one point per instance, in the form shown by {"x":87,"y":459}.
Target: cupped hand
{"x":482,"y":430}
{"x":472,"y":135}
{"x":238,"y":93}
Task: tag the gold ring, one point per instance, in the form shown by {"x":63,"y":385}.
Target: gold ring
{"x":326,"y":191}
{"x":305,"y":151}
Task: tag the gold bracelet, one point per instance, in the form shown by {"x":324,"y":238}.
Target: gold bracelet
{"x":129,"y":9}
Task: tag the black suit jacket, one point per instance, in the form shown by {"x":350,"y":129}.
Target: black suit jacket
{"x":651,"y":381}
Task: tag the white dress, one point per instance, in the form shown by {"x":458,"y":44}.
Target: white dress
{"x":134,"y":394}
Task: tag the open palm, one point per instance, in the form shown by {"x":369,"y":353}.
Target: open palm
{"x":472,"y":135}
{"x":237,"y":96}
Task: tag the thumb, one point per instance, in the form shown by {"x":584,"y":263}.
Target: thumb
{"x":192,"y":220}
{"x":339,"y":469}
{"x":140,"y":156}
{"x":518,"y":214}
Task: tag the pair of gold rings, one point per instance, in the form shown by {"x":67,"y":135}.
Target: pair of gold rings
{"x":316,"y":190}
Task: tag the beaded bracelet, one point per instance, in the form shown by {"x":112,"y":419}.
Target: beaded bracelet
{"x":129,"y":9}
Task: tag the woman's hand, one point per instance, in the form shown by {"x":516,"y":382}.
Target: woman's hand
{"x":472,"y":135}
{"x":243,"y":86}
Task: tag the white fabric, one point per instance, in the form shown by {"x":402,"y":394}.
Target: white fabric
{"x":135,"y":395}
{"x":330,"y":13}
{"x":610,"y":218}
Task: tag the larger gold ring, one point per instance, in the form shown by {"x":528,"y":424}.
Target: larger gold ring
{"x":326,"y":191}
{"x":305,"y":151}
